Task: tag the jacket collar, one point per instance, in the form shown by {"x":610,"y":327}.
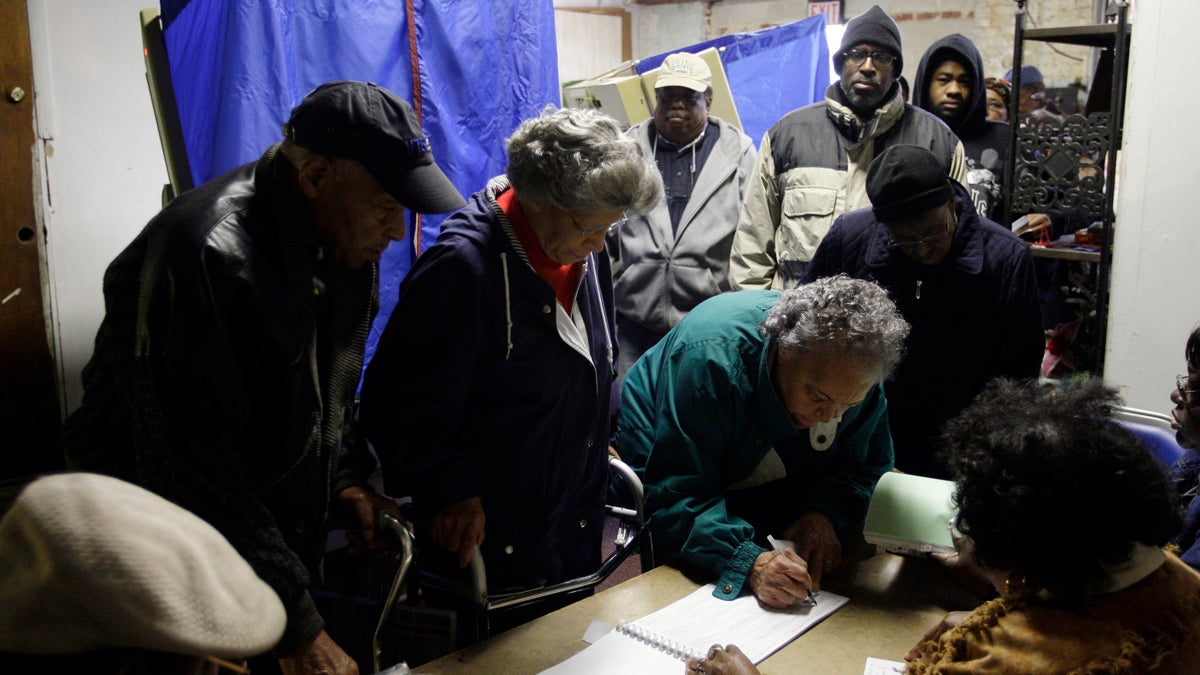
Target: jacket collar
{"x":497,"y":186}
{"x":292,"y":222}
{"x":778,"y":421}
{"x":1142,"y":561}
{"x":722,"y":163}
{"x":854,"y":131}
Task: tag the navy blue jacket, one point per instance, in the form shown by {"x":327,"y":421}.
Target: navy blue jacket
{"x":974,"y":316}
{"x":1185,"y":476}
{"x":473,"y":393}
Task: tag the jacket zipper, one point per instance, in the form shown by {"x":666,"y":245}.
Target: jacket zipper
{"x":919,"y":282}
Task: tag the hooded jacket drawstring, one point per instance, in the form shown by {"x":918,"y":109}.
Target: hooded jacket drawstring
{"x":508,"y":308}
{"x":692,"y":146}
{"x":603,"y":313}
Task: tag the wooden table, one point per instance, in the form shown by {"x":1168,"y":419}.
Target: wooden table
{"x":893,"y":601}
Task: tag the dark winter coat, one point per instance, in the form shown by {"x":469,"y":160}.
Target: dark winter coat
{"x":473,"y":392}
{"x":974,"y":316}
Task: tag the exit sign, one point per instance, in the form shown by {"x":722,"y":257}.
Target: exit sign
{"x":831,"y":10}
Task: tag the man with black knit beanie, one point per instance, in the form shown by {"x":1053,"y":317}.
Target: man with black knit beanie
{"x":812,"y":164}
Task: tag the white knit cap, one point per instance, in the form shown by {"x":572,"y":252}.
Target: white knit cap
{"x":90,"y":562}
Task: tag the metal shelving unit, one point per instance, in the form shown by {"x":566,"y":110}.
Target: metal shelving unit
{"x":1070,"y":164}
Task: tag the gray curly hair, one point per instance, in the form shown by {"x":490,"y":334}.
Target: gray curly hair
{"x":579,"y":160}
{"x":849,"y":314}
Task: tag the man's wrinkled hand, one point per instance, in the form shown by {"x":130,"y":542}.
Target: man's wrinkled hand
{"x":319,"y":656}
{"x":458,"y":528}
{"x":780,"y":580}
{"x":362,"y":504}
{"x":817,"y":543}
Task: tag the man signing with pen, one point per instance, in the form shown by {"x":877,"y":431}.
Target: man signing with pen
{"x":761,"y":414}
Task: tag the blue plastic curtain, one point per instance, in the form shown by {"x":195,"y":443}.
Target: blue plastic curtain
{"x":239,"y":66}
{"x":481,"y":66}
{"x":770,"y":71}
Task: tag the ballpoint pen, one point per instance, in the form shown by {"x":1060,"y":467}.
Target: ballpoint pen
{"x":781,"y":546}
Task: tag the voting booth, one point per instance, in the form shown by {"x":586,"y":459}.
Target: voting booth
{"x":629,"y":97}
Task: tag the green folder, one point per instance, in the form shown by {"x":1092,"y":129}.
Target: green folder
{"x":911,"y":514}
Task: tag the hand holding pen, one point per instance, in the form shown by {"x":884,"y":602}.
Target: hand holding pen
{"x":782,"y":546}
{"x":780,"y":580}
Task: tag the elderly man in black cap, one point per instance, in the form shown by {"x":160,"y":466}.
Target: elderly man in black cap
{"x":965,"y":284}
{"x":225,"y":369}
{"x":812,"y":163}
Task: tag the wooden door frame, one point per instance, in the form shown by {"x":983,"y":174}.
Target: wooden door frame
{"x":30,"y":402}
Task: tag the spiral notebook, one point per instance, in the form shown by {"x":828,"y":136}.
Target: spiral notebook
{"x":660,"y":642}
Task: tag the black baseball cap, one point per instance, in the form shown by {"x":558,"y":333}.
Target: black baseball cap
{"x":365,"y":122}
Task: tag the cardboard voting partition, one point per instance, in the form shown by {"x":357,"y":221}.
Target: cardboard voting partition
{"x":629,"y":97}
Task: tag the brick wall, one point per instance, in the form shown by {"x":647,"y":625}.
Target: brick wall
{"x":989,"y":23}
{"x":1061,"y":65}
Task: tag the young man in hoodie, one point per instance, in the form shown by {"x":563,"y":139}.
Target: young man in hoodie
{"x":812,"y":164}
{"x":950,"y":85}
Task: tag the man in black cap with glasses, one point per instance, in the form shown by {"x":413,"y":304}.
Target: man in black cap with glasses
{"x":225,"y":369}
{"x":812,"y":163}
{"x":965,"y":284}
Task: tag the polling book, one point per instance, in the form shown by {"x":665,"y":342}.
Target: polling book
{"x":911,"y":514}
{"x":662,"y":641}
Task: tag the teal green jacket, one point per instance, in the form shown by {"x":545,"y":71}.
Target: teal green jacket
{"x":699,"y":414}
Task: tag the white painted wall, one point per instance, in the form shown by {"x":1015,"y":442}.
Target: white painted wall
{"x":589,"y":45}
{"x":104,"y":169}
{"x":103,"y":166}
{"x":1154,"y":301}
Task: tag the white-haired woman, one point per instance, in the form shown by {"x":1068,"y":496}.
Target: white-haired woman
{"x":762,"y":413}
{"x":489,"y":397}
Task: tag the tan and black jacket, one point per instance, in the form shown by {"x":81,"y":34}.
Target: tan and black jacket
{"x":812,"y":167}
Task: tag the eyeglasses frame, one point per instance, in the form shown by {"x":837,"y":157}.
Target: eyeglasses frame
{"x":589,"y":231}
{"x":914,"y":244}
{"x":857,"y":57}
{"x":1186,"y":394}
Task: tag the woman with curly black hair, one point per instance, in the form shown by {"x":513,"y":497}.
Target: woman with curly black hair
{"x":1069,"y":513}
{"x":1072,"y":513}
